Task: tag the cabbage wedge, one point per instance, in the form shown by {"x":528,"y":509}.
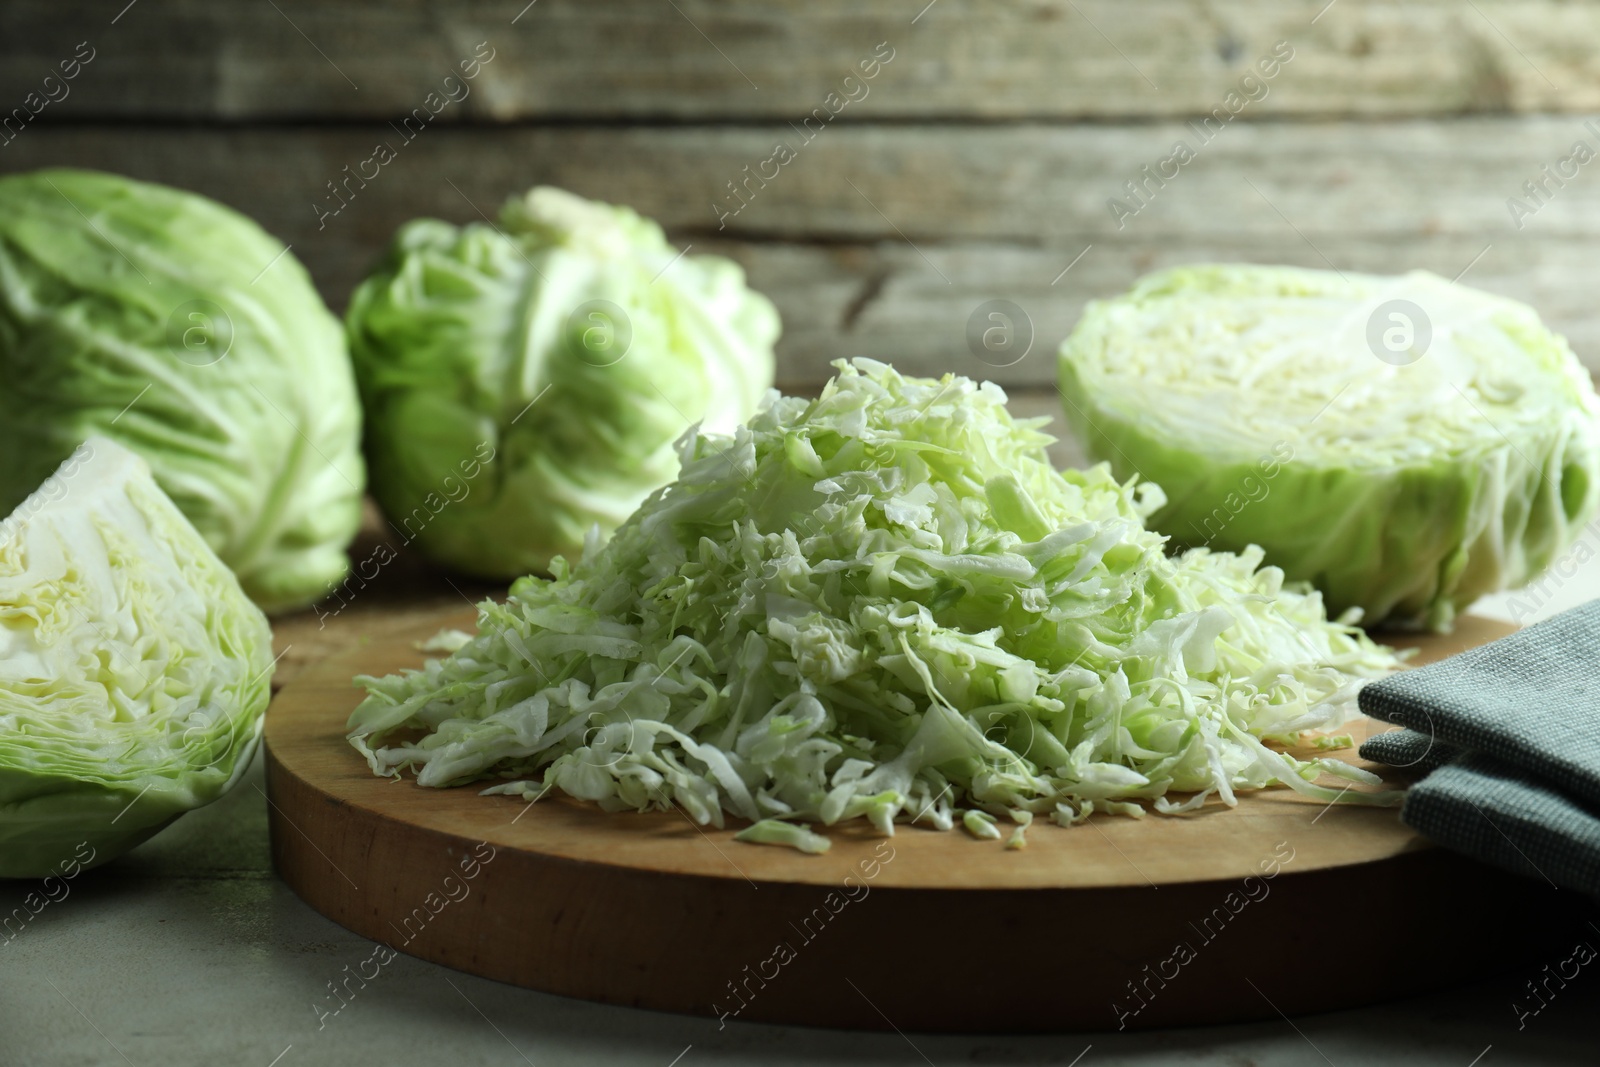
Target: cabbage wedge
{"x":133,"y":669}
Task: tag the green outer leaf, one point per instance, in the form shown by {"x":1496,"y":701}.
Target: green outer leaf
{"x":260,"y":449}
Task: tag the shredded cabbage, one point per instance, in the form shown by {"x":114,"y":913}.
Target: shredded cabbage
{"x":791,"y":835}
{"x":883,"y":603}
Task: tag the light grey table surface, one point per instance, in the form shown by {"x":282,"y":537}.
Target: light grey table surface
{"x":191,"y":951}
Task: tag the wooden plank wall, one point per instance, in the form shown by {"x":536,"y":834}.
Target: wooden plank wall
{"x":977,"y":163}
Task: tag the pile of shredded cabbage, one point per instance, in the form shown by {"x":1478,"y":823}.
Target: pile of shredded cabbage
{"x":884,"y":603}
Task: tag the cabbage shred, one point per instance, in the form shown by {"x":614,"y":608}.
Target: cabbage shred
{"x":884,"y":603}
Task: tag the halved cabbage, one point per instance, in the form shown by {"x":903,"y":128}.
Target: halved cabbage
{"x":884,"y":604}
{"x":1404,"y":443}
{"x":133,"y":669}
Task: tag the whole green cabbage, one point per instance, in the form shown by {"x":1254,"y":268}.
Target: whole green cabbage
{"x":180,"y":329}
{"x":1404,"y":443}
{"x":133,"y":669}
{"x":524,"y":382}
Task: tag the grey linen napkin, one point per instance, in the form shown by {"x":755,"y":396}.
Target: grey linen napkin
{"x":1509,"y":735}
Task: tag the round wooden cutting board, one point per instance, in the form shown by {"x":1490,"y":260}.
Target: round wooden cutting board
{"x":1280,"y":905}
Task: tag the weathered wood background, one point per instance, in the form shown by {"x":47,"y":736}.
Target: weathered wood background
{"x":979,"y":165}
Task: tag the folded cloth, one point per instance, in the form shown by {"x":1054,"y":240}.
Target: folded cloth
{"x":1509,"y":735}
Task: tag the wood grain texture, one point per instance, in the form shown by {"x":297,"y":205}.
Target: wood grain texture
{"x":884,"y":240}
{"x":708,"y":60}
{"x":653,"y":911}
